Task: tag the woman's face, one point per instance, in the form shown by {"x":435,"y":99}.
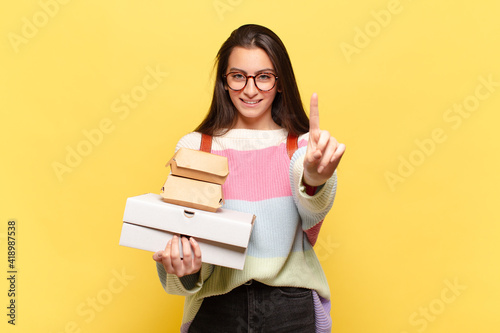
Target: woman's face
{"x":254,"y":106}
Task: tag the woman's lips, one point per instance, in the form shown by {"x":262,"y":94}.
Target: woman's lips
{"x":251,"y":102}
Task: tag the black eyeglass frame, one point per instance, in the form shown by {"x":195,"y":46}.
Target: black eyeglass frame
{"x":255,"y":82}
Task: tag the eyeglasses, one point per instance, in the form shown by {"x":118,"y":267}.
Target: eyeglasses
{"x":238,"y":81}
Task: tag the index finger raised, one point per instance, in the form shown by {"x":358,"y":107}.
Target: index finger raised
{"x":314,"y":113}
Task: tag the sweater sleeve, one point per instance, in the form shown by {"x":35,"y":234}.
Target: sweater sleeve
{"x":312,"y":209}
{"x":186,"y":285}
{"x":189,"y":284}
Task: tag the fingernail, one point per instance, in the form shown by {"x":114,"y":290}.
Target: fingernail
{"x":160,"y":255}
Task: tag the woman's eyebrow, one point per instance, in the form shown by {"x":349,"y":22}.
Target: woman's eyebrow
{"x":234,"y":69}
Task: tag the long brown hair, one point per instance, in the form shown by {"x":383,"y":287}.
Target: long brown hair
{"x":287,"y":109}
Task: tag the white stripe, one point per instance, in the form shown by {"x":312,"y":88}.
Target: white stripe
{"x":240,"y":139}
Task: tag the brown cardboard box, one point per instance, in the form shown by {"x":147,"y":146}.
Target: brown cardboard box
{"x":149,"y":223}
{"x":199,"y":165}
{"x":192,"y":193}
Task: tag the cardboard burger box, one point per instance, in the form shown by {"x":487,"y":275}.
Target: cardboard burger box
{"x":196,"y":180}
{"x":192,"y":193}
{"x":200,"y":165}
{"x":149,"y":223}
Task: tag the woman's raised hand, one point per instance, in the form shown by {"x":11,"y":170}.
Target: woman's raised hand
{"x":323,"y":151}
{"x":173,"y":263}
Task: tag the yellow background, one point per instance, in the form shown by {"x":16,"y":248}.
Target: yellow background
{"x":390,"y":249}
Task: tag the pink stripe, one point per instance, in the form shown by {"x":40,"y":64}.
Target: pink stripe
{"x":302,"y":143}
{"x":256,"y":175}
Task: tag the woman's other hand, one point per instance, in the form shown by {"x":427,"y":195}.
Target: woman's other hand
{"x":323,"y":150}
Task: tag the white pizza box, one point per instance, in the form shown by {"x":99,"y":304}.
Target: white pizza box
{"x":149,"y":223}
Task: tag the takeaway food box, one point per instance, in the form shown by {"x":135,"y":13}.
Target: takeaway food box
{"x":190,"y":204}
{"x":149,"y":223}
{"x":196,"y":180}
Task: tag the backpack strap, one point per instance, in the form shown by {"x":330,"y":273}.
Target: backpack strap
{"x":206,"y":143}
{"x":292,"y":144}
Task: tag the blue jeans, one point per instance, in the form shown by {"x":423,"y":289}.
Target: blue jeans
{"x":255,"y":307}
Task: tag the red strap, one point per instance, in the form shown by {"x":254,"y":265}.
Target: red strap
{"x":292,"y":144}
{"x":206,"y":143}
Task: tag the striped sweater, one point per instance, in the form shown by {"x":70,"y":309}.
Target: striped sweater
{"x":263,"y":181}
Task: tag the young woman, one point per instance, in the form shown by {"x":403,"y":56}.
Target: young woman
{"x":256,"y":109}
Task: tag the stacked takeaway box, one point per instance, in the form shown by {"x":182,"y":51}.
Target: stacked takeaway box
{"x":196,"y":180}
{"x":190,"y":205}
